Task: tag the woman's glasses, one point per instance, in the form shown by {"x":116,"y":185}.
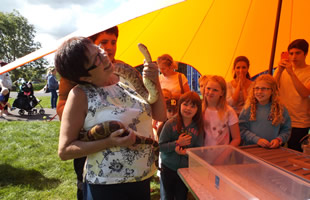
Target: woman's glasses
{"x":263,"y":89}
{"x":100,"y":55}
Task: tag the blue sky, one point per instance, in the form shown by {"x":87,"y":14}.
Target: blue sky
{"x":54,"y":19}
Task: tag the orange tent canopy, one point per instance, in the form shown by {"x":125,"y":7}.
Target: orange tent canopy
{"x":209,"y":34}
{"x":206,"y":34}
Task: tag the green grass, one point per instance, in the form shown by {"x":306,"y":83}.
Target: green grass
{"x":30,"y":167}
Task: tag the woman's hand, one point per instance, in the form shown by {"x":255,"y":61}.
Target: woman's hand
{"x":151,"y":72}
{"x":122,"y":141}
{"x":242,"y":80}
{"x":184,"y":140}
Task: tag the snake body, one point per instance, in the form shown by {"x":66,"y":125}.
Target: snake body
{"x":145,"y":87}
{"x":104,"y":130}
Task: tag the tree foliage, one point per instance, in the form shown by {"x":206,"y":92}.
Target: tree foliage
{"x":17,"y":40}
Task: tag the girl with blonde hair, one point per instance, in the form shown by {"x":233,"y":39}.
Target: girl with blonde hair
{"x":264,"y":120}
{"x":220,"y":120}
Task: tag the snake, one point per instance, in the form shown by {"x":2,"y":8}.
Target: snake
{"x":106,"y":128}
{"x":144,"y":86}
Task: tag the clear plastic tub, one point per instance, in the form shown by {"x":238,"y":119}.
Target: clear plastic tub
{"x":229,"y":173}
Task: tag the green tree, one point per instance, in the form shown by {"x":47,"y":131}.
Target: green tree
{"x":17,"y":40}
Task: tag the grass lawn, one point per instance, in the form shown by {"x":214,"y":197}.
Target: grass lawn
{"x":30,"y":167}
{"x":29,"y":164}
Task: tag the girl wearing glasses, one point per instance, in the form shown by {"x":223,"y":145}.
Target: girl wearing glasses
{"x":264,"y":120}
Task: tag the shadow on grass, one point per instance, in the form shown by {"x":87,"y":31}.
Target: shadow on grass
{"x":21,"y":177}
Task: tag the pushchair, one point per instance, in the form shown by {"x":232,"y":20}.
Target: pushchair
{"x":26,"y":101}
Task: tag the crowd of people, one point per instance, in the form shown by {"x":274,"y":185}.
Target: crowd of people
{"x":269,"y":111}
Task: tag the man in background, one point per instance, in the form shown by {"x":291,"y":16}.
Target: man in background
{"x":293,"y":77}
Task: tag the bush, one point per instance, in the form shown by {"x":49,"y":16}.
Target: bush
{"x":38,"y":86}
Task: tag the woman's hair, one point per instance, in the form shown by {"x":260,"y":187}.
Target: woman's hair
{"x":71,"y":59}
{"x":244,"y":59}
{"x":222,"y":103}
{"x":276,"y":110}
{"x":193,"y":98}
{"x":166,"y":59}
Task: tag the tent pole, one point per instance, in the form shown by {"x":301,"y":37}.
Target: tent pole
{"x":275,"y":36}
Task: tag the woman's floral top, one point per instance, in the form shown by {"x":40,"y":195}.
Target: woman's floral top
{"x":119,"y":164}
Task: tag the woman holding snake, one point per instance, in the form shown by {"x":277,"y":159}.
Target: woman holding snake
{"x":115,"y":168}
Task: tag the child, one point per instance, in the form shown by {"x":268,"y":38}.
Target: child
{"x":220,"y":120}
{"x":166,"y":93}
{"x":263,"y":120}
{"x":172,"y":109}
{"x":202,"y":81}
{"x":182,"y":131}
{"x":4,"y":103}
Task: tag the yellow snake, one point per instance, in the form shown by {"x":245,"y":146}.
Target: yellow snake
{"x":145,"y":87}
{"x":104,"y":130}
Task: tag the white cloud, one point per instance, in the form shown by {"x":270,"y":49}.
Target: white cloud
{"x":56,"y":19}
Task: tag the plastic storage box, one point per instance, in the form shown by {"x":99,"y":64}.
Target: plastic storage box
{"x":226,"y":172}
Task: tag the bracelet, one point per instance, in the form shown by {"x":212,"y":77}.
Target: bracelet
{"x":177,"y":144}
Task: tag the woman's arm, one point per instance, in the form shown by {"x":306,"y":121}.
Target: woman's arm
{"x":186,"y":87}
{"x":235,"y":95}
{"x":150,"y":71}
{"x":72,"y":122}
{"x":166,"y":144}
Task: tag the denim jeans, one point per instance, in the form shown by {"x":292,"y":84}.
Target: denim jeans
{"x":54,"y":98}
